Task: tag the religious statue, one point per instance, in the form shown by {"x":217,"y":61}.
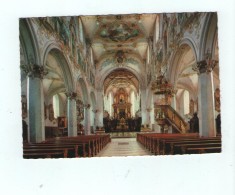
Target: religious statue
{"x":217,"y":99}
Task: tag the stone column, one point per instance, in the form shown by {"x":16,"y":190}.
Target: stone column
{"x":36,"y":103}
{"x":148,"y":119}
{"x":206,"y":99}
{"x":143,"y":106}
{"x":87,"y":119}
{"x":173,"y":101}
{"x":72,"y":114}
{"x":99,"y":110}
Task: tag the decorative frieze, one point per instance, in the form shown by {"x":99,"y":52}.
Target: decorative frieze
{"x":34,"y":70}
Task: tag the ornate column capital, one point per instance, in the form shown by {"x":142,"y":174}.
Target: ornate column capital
{"x":87,"y":106}
{"x":205,"y":66}
{"x":96,"y":111}
{"x":71,"y":95}
{"x":34,"y":70}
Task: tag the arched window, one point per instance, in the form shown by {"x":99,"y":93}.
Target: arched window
{"x":157,"y":29}
{"x":56,"y":105}
{"x":186,"y":102}
{"x":133,"y":101}
{"x":81,"y":36}
{"x":110,"y":103}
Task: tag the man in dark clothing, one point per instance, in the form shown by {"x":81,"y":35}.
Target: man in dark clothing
{"x":25,"y":131}
{"x":218,"y":124}
{"x":194,"y":123}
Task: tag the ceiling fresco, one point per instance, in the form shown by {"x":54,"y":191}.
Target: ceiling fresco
{"x":119,"y":32}
{"x":115,"y":33}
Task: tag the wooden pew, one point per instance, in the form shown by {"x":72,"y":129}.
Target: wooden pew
{"x":72,"y":149}
{"x":168,"y":144}
{"x":92,"y":144}
{"x":202,"y":150}
{"x":151,"y":141}
{"x":45,"y":150}
{"x":165,"y":143}
{"x":79,"y":146}
{"x":182,"y":148}
{"x":43,"y":155}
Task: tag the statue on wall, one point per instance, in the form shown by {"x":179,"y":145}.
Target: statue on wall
{"x":45,"y":110}
{"x":191,"y":107}
{"x":51,"y":112}
{"x":217,"y":99}
{"x":24,"y":106}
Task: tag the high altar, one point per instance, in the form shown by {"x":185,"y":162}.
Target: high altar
{"x":122,"y":106}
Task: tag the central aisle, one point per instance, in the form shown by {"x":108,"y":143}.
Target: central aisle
{"x":123,"y":147}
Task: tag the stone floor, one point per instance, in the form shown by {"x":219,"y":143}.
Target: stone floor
{"x":123,"y":147}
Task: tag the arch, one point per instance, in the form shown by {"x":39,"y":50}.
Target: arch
{"x":29,"y":42}
{"x":63,"y":63}
{"x":84,"y":91}
{"x":186,"y":42}
{"x":209,"y":32}
{"x":54,"y":92}
{"x":93,"y":99}
{"x":105,"y":73}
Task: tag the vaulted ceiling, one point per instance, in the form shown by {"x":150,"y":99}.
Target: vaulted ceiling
{"x":119,"y":40}
{"x":111,"y":34}
{"x":121,"y":79}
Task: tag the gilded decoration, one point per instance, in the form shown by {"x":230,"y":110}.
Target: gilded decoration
{"x":162,"y":86}
{"x":80,"y":111}
{"x":122,"y":106}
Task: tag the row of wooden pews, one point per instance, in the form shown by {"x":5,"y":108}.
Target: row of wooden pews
{"x":189,"y":143}
{"x":67,"y":147}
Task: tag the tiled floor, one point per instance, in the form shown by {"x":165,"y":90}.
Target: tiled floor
{"x":123,"y":147}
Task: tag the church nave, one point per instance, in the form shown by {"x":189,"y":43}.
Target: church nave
{"x":88,"y":79}
{"x":123,"y":147}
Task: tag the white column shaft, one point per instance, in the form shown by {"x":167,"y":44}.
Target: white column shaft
{"x":72,"y":118}
{"x":36,"y":110}
{"x":206,"y":105}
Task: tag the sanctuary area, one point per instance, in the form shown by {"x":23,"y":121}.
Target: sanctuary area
{"x":120,"y":85}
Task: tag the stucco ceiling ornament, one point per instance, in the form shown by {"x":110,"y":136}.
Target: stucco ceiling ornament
{"x":120,"y":58}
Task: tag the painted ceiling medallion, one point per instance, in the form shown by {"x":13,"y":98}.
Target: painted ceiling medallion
{"x":120,"y":56}
{"x":119,"y":32}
